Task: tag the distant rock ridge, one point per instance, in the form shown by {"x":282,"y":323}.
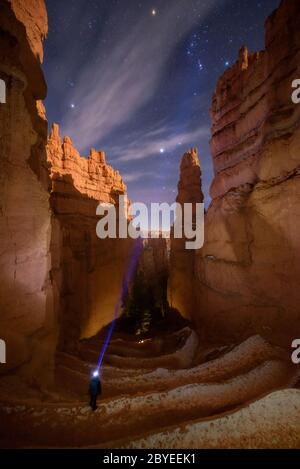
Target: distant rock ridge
{"x":91,"y":176}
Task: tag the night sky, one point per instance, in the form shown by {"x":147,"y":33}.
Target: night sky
{"x":135,"y":78}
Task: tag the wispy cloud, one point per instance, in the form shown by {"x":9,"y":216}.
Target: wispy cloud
{"x":137,"y":175}
{"x":156,"y":143}
{"x":121,"y":77}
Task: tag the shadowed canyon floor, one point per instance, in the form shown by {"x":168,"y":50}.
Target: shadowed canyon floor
{"x":168,"y":393}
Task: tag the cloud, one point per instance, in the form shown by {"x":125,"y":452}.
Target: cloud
{"x":137,"y":175}
{"x":149,"y":144}
{"x":121,"y":77}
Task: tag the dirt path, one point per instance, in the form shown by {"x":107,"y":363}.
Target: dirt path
{"x":143,"y":406}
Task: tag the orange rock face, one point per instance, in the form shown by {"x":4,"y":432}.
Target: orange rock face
{"x":87,"y":271}
{"x":181,"y":287}
{"x":27,"y":321}
{"x":247,"y":273}
{"x":57,"y":278}
{"x":91,"y":176}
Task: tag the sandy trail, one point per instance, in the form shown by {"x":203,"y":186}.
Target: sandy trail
{"x":140,"y":405}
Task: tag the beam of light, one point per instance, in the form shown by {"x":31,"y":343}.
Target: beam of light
{"x":128,"y":276}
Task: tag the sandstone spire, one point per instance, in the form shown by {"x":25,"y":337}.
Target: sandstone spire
{"x":189,"y":186}
{"x":181,"y":279}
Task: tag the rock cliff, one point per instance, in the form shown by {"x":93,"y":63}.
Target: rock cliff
{"x":58,"y":280}
{"x":87,"y":271}
{"x":27,"y":320}
{"x":247,"y":273}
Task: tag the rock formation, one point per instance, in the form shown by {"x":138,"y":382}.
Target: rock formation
{"x":248,"y":271}
{"x":27,"y":321}
{"x":91,"y":177}
{"x":58,"y":280}
{"x":172,"y":391}
{"x":154,"y":264}
{"x":87,"y":271}
{"x":181,"y":281}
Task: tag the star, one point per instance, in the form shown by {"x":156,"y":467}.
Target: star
{"x":162,"y":150}
{"x":153,"y":12}
{"x":200,"y":65}
{"x":72,"y":106}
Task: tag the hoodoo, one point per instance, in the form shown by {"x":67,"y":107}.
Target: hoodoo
{"x":146,"y":342}
{"x":246,"y":275}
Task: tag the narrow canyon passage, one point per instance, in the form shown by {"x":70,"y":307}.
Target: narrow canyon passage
{"x":193,"y":347}
{"x":158,"y":375}
{"x":161,"y":374}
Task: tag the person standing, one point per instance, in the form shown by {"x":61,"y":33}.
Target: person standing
{"x":95,"y":389}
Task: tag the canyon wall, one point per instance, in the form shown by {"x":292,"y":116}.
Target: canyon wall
{"x":181,"y":284}
{"x":154,"y":264}
{"x":27,"y":320}
{"x":87,"y":271}
{"x":59,"y":282}
{"x":247,"y":274}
